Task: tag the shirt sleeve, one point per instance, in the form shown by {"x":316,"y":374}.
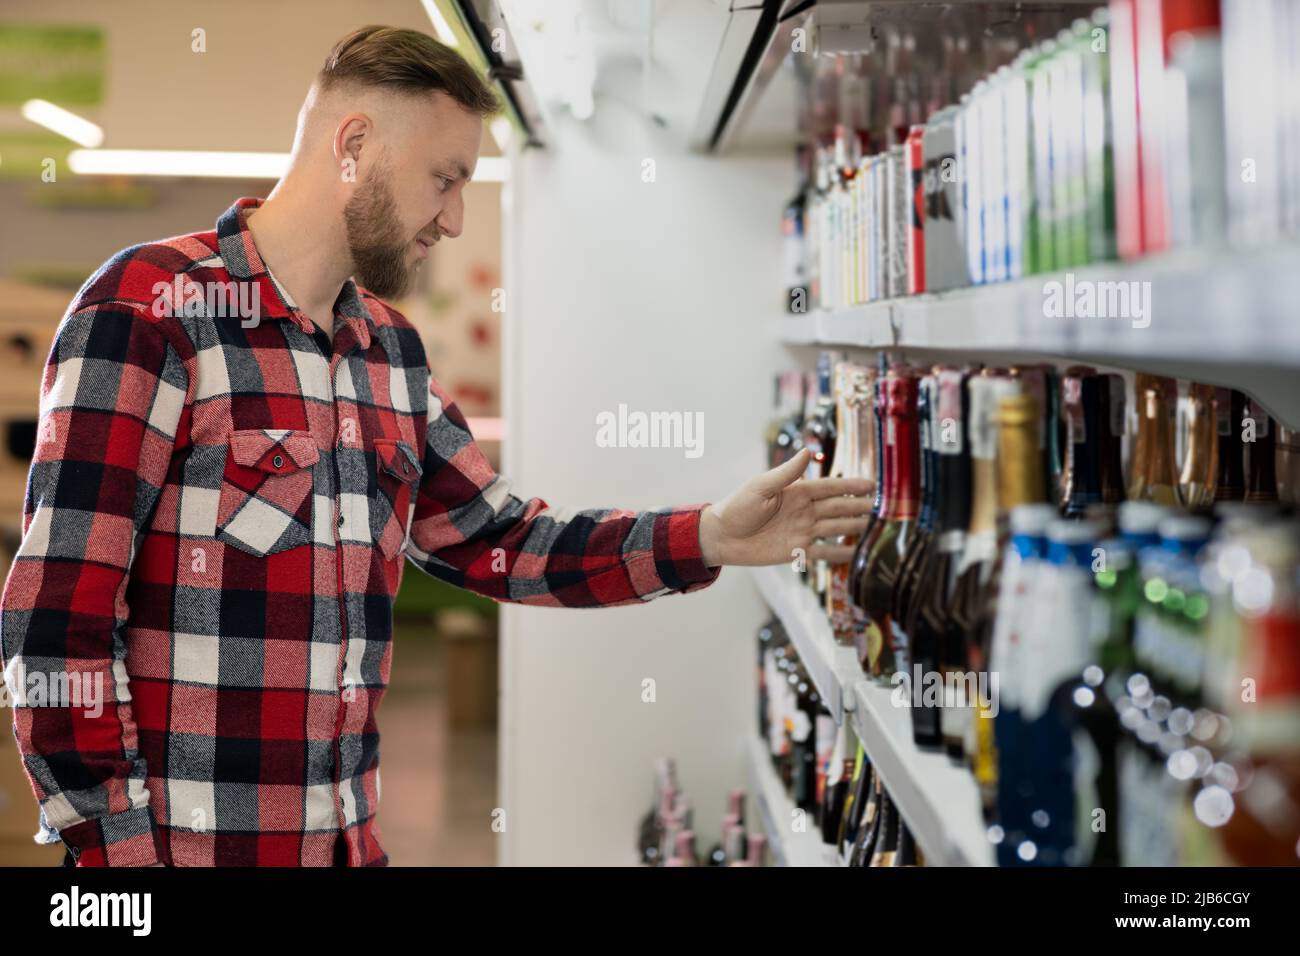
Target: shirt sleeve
{"x":470,"y":530}
{"x":110,"y":402}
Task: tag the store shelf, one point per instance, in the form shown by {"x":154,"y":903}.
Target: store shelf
{"x":938,"y":799}
{"x":832,"y":668}
{"x":777,"y":813}
{"x":1223,"y":318}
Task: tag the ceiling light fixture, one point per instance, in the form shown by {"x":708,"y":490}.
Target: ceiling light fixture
{"x":69,"y":125}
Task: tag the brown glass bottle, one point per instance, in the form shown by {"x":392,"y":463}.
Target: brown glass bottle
{"x":1261,"y":455}
{"x":1201,"y":449}
{"x":1151,"y":475}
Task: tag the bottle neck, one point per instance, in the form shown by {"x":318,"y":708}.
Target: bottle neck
{"x":905,"y":492}
{"x":1153,"y":454}
{"x":1020,"y":461}
{"x":983,"y":450}
{"x":952,"y":454}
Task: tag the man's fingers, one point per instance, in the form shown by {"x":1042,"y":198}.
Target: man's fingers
{"x":833,"y":527}
{"x":831,"y":553}
{"x":771,"y":482}
{"x":828,"y":487}
{"x":841,"y":506}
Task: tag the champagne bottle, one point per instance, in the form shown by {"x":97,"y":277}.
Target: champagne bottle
{"x":1152,"y":472}
{"x":1201,"y":455}
{"x":1229,"y":412}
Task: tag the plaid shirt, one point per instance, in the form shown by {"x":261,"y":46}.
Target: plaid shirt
{"x":216,"y":522}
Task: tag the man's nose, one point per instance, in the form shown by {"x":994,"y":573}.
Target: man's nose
{"x":452,"y":217}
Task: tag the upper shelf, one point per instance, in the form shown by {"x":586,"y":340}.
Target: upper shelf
{"x":1214,"y":316}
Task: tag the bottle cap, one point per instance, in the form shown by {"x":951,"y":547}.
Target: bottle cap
{"x":1032,"y":519}
{"x":1141,"y":517}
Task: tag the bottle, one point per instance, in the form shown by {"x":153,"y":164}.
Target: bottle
{"x":886,"y":844}
{"x":862,"y":631}
{"x":1262,"y":782}
{"x":734,"y":817}
{"x":855,"y":801}
{"x":784,"y":434}
{"x":1025,"y":552}
{"x":1229,"y":412}
{"x":1082,"y":473}
{"x":1261,"y":457}
{"x":819,"y":438}
{"x":1020,"y":482}
{"x":1201,"y":452}
{"x":1055,"y":699}
{"x":886,"y":648}
{"x":969,"y":601}
{"x":651,"y":830}
{"x":1288,"y":466}
{"x":771,"y":636}
{"x":850,"y":460}
{"x":733,"y":841}
{"x":1152,"y":471}
{"x":939,"y":643}
{"x":684,"y":850}
{"x":869,"y":828}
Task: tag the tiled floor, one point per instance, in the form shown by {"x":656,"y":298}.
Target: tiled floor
{"x":439,"y":784}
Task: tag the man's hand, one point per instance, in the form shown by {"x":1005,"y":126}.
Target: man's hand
{"x":773,"y":516}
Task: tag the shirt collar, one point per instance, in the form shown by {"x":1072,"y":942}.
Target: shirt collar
{"x":242,"y":262}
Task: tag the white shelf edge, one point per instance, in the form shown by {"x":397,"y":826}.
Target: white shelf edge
{"x":788,"y":848}
{"x":938,"y":800}
{"x":1218,"y":316}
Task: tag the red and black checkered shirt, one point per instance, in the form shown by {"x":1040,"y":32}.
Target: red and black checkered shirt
{"x":217,"y":517}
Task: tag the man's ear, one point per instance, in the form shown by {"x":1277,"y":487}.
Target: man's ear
{"x":350,"y":137}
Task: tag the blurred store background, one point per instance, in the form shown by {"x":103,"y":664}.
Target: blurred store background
{"x":136,"y":71}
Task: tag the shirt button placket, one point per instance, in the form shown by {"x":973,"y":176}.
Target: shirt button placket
{"x":342,"y":601}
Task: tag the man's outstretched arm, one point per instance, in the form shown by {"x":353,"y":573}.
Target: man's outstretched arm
{"x":470,"y":530}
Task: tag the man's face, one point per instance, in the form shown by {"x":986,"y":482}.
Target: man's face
{"x":410,"y":194}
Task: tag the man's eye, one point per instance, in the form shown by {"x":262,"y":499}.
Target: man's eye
{"x":446,"y":182}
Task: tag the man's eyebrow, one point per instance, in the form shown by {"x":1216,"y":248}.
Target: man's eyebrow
{"x":463,"y":170}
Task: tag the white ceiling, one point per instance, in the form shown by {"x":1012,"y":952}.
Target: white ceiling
{"x":242,"y":94}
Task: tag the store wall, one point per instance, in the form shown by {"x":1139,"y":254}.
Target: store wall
{"x":659,"y":295}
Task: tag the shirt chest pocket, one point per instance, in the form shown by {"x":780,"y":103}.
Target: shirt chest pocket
{"x":265,"y":504}
{"x":397,"y":480}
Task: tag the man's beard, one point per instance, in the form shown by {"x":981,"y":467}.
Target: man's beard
{"x":379,"y":250}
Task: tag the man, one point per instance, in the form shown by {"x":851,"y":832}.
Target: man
{"x":219,"y":509}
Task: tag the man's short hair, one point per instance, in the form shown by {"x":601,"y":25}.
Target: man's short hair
{"x":406,"y":61}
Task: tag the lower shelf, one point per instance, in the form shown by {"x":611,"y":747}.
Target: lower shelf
{"x":937,"y":798}
{"x":776,"y":811}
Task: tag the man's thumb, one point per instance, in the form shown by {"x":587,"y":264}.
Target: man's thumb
{"x":771,"y":482}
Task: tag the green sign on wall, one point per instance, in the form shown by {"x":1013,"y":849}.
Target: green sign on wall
{"x":62,"y":64}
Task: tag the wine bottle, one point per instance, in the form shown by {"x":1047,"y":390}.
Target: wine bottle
{"x":1201,"y":449}
{"x":1229,"y":413}
{"x":886,"y":647}
{"x":939,"y":643}
{"x":1152,"y":470}
{"x":1261,"y":457}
